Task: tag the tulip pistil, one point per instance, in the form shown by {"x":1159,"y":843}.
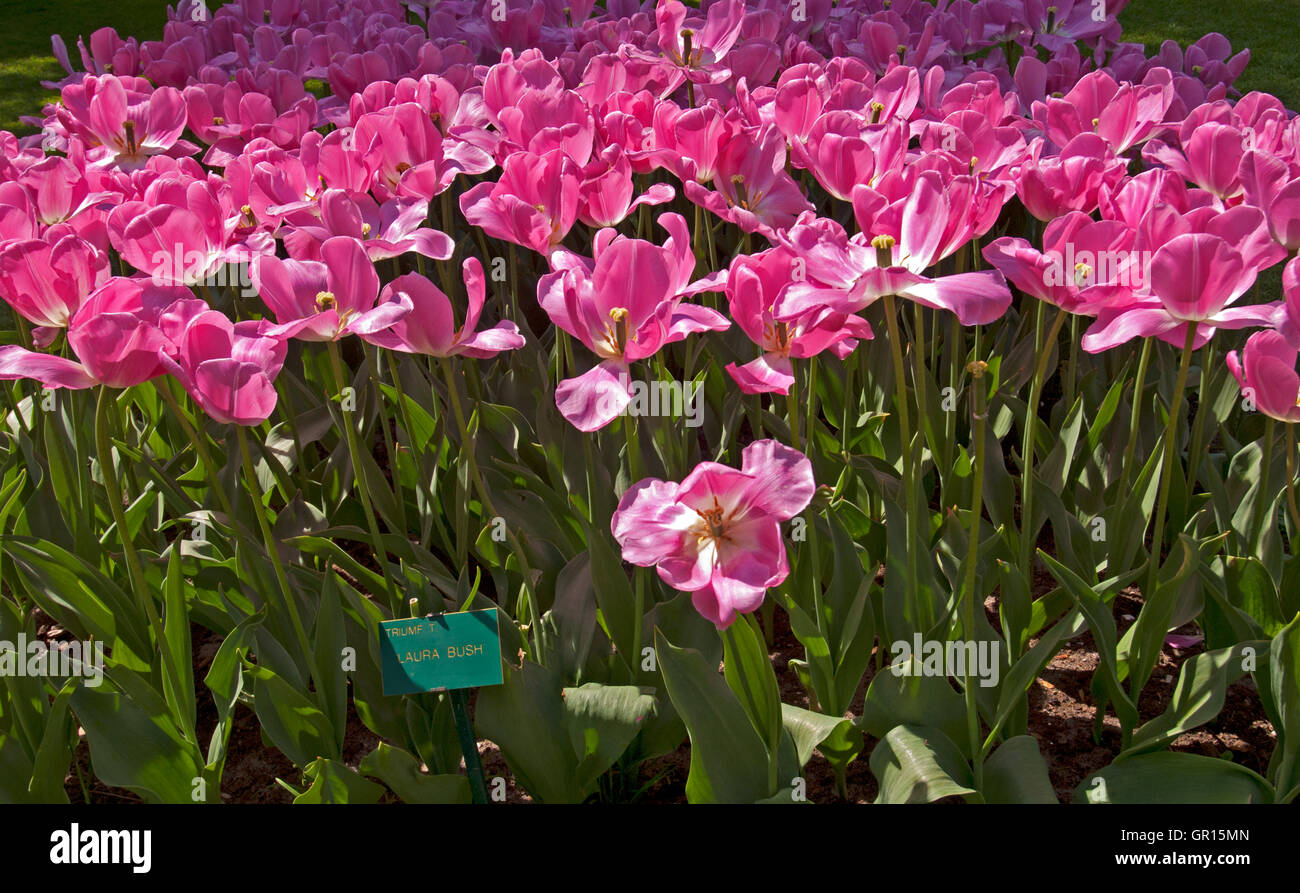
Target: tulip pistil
{"x":884,"y":246}
{"x":325,"y":300}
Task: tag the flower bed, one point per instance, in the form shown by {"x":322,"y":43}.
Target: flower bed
{"x":918,"y":345}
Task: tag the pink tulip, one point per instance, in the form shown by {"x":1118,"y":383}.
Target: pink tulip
{"x":1273,"y":185}
{"x":1210,"y":157}
{"x":430,"y":326}
{"x":133,"y":126}
{"x":1085,"y":264}
{"x":386,"y":231}
{"x":606,"y":193}
{"x":1051,"y":186}
{"x":46,"y":283}
{"x":697,"y":46}
{"x":1194,"y":278}
{"x":328,"y":299}
{"x":1125,"y":115}
{"x":752,"y":188}
{"x":180,"y":231}
{"x":849,"y":275}
{"x":534,"y":204}
{"x":1267,"y":374}
{"x":228,"y":368}
{"x":623,"y":305}
{"x":717,"y":534}
{"x":115,"y":334}
{"x":754,"y":286}
{"x":843,"y":150}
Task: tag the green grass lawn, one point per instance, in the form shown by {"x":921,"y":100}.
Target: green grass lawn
{"x":1267,"y":27}
{"x":25,"y":57}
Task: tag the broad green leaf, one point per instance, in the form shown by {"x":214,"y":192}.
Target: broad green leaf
{"x":136,"y":749}
{"x":333,"y":782}
{"x":292,"y":722}
{"x":525,"y":717}
{"x":810,"y":731}
{"x":1167,"y":777}
{"x":402,"y":773}
{"x":919,"y":764}
{"x":603,"y":720}
{"x":729,"y":762}
{"x":1017,"y":773}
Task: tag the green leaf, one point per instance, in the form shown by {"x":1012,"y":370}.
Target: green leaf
{"x":1284,"y":673}
{"x":1251,"y":589}
{"x":603,"y":720}
{"x":332,"y":690}
{"x":54,"y":756}
{"x":525,"y":717}
{"x":748,"y":671}
{"x":225,"y":679}
{"x":729,"y":762}
{"x":810,"y":731}
{"x":177,"y":640}
{"x":1198,"y":697}
{"x":402,"y":773}
{"x":903,"y":694}
{"x":1017,"y":773}
{"x":137,"y":748}
{"x":614,"y":593}
{"x":292,"y":722}
{"x":919,"y":764}
{"x":333,"y":782}
{"x":1167,"y":777}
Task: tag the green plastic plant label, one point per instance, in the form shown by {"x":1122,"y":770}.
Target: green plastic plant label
{"x":446,"y":651}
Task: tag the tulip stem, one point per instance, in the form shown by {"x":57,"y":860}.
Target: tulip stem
{"x":1135,"y":417}
{"x":1262,"y":495}
{"x":909,"y":484}
{"x":792,"y":414}
{"x":273,"y":552}
{"x":1197,"y":443}
{"x":979,"y":414}
{"x":200,"y":446}
{"x":134,"y":570}
{"x":1290,"y":480}
{"x":1027,"y":532}
{"x":525,"y":612}
{"x":359,"y":475}
{"x":1167,"y":464}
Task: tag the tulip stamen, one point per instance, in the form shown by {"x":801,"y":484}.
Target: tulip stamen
{"x":128,"y":128}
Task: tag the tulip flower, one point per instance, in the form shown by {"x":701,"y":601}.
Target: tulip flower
{"x":1273,"y":185}
{"x":46,"y":283}
{"x":851,"y":274}
{"x":228,"y":368}
{"x":1085,"y":264}
{"x":1193,"y":280}
{"x":133,"y":126}
{"x":385,"y":230}
{"x":717,"y":534}
{"x":328,"y":299}
{"x":115,"y":334}
{"x":623,"y":305}
{"x":1266,"y":371}
{"x":430,"y":326}
{"x":754,"y":287}
{"x":534,"y":204}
